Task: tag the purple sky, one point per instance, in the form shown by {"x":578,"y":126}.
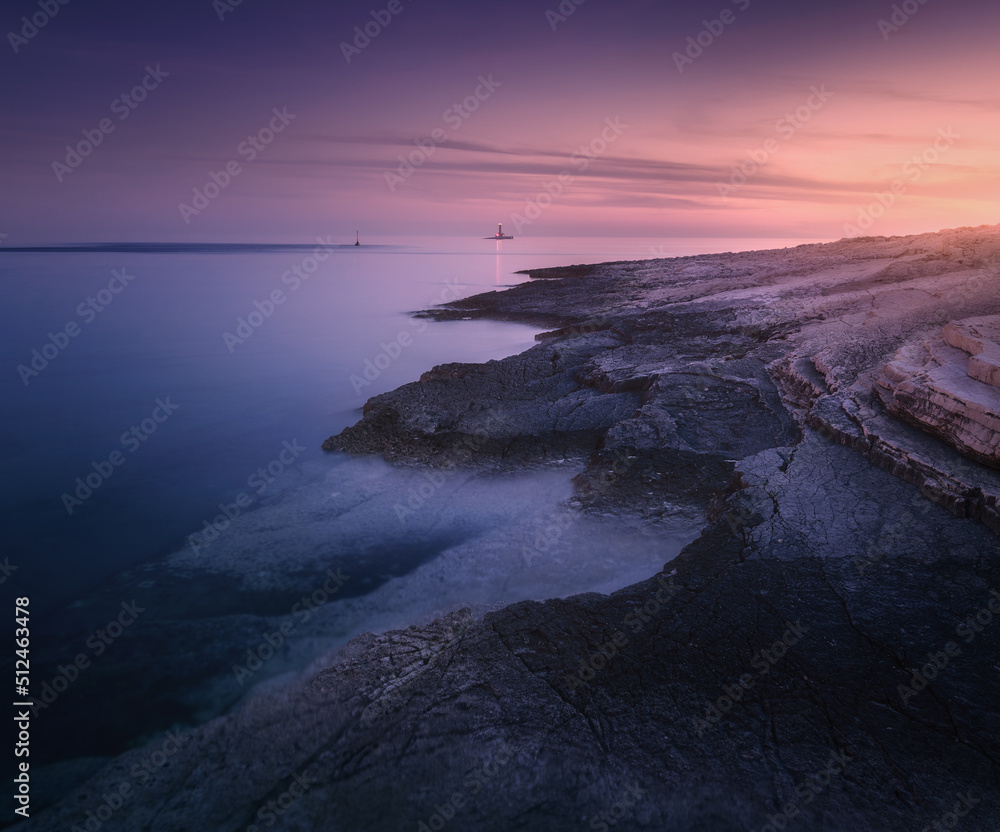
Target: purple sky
{"x":821,"y":105}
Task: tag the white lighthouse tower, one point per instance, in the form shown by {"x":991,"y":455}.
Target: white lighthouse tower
{"x":500,"y":235}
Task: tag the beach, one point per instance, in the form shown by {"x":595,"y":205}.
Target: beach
{"x":801,"y":658}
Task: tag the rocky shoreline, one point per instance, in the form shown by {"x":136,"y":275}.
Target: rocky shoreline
{"x":826,"y":655}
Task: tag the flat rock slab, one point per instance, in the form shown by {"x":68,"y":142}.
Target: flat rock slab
{"x":980,"y":338}
{"x":945,"y":386}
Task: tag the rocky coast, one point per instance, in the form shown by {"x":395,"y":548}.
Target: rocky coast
{"x":825,"y":656}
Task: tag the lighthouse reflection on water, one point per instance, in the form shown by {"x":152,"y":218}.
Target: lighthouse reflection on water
{"x":498,"y":237}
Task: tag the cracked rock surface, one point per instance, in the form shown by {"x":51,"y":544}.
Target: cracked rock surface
{"x":825,"y":656}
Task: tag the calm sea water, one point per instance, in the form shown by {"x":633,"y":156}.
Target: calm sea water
{"x":149,"y":390}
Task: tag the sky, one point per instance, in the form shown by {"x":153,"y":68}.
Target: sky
{"x":271,"y":121}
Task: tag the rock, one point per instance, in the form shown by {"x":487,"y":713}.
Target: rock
{"x":949,"y":387}
{"x":980,"y":338}
{"x":536,"y":407}
{"x":721,"y":689}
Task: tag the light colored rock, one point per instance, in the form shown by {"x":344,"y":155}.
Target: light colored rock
{"x":950,"y":387}
{"x":980,"y":338}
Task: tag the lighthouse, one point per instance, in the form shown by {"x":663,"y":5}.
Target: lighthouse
{"x":500,"y":235}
